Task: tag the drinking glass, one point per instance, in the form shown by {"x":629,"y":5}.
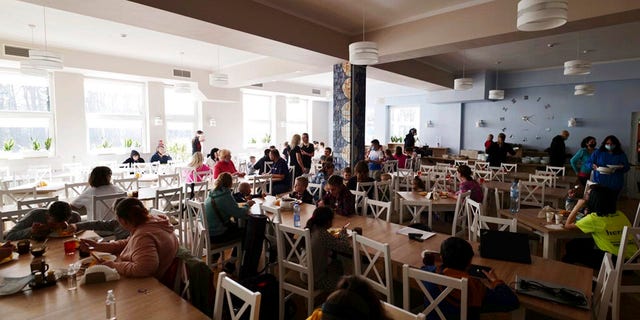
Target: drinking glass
{"x":70,"y":247}
{"x":72,"y":282}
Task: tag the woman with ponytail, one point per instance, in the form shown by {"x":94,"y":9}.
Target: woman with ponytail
{"x":149,"y":250}
{"x":327,"y":268}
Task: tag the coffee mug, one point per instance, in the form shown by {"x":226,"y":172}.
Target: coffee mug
{"x":39,"y":265}
{"x":24,"y":246}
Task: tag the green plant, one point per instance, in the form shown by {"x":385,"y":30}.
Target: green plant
{"x":128,"y":143}
{"x":137,"y":144}
{"x":9,"y":144}
{"x":267,"y":138}
{"x":395,"y":139}
{"x":252,"y":140}
{"x":105,"y":144}
{"x":35,"y":144}
{"x":177,"y":148}
{"x":47,"y":143}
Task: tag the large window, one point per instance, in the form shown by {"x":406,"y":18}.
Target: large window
{"x":25,"y":110}
{"x":297,"y":116}
{"x":401,"y":119}
{"x":180,"y":115}
{"x":115,"y":113}
{"x":370,"y":126}
{"x":258,"y":115}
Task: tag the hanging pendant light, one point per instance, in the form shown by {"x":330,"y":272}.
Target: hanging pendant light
{"x":584,"y":90}
{"x":363,"y":52}
{"x":182,"y":87}
{"x":496,"y":94}
{"x":218,"y":78}
{"x":537,"y":15}
{"x":44,"y":59}
{"x":463,"y":83}
{"x":28,"y":67}
{"x":578,"y":66}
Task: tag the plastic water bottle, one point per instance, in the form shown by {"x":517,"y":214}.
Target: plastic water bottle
{"x":514,"y":195}
{"x":111,"y":305}
{"x":296,"y":215}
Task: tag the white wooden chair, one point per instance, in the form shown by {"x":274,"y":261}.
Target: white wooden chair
{"x":274,"y":211}
{"x":261,"y":184}
{"x":390,"y":166}
{"x":472,"y":210}
{"x":360,"y":201}
{"x":632,"y":244}
{"x":509,"y":167}
{"x":142,"y":168}
{"x":547,"y":180}
{"x":11,"y":217}
{"x":168,"y":199}
{"x":532,"y":193}
{"x":602,"y":294}
{"x":226,"y":291}
{"x":127,"y":184}
{"x":486,"y":175}
{"x":11,"y":197}
{"x":438,"y":182}
{"x":36,"y":203}
{"x":636,"y":220}
{"x":73,"y":190}
{"x":378,"y":208}
{"x":497,"y":173}
{"x":477,"y":221}
{"x":451,"y":181}
{"x":197,"y":220}
{"x":396,"y":313}
{"x":383,"y":191}
{"x":39,"y":173}
{"x":427,"y":168}
{"x":267,"y":167}
{"x":459,"y":214}
{"x":200,"y":190}
{"x":481,"y":165}
{"x":377,"y":255}
{"x":168,"y":180}
{"x":403,"y":179}
{"x":448,"y":284}
{"x":316,"y":190}
{"x":102,"y":206}
{"x":414,"y":208}
{"x":295,"y":257}
{"x":457,"y":163}
{"x":194,"y":232}
{"x":558,"y":171}
{"x":367,"y":187}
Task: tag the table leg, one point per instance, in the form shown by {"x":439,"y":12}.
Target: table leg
{"x":552,"y":253}
{"x":545,"y":246}
{"x":430,"y":217}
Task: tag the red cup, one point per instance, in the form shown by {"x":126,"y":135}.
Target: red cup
{"x":70,"y":247}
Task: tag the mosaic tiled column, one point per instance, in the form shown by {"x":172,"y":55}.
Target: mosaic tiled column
{"x":348,"y":114}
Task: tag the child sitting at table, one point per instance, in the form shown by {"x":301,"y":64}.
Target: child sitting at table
{"x":41,"y":222}
{"x":300,"y":191}
{"x":244,"y":193}
{"x":385,"y":177}
{"x":346,"y":174}
{"x":492,"y":296}
{"x":417,"y":185}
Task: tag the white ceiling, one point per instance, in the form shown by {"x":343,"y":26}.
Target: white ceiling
{"x":84,"y":33}
{"x":375,"y":88}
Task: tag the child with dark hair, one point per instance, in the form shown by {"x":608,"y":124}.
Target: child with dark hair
{"x":133,"y":158}
{"x":300,"y":191}
{"x":604,"y":223}
{"x":495,"y":296}
{"x":244,"y":193}
{"x":417,"y":184}
{"x":338,"y":197}
{"x":353,"y":299}
{"x":327,"y":268}
{"x":41,"y":222}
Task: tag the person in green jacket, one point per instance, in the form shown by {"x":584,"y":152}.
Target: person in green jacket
{"x":220,"y":207}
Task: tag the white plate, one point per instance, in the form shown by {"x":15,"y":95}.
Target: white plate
{"x":604,"y":170}
{"x":88,"y":260}
{"x":554,"y":226}
{"x":615,"y":166}
{"x":12,"y":257}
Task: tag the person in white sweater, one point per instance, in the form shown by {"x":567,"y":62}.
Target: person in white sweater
{"x":100,"y":184}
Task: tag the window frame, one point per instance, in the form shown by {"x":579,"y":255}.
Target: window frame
{"x":246,"y":122}
{"x":391,"y":122}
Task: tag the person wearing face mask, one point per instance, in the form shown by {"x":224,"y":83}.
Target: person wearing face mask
{"x":557,"y":150}
{"x":609,"y":155}
{"x":409,"y":139}
{"x":580,"y":161}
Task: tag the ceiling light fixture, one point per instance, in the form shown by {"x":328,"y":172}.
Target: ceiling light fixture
{"x":218,"y":78}
{"x":537,"y":15}
{"x":28,"y":67}
{"x":584,"y":90}
{"x":182,"y":87}
{"x":577,"y":67}
{"x":463,"y":83}
{"x":496,"y":94}
{"x":363,"y":52}
{"x":44,"y":59}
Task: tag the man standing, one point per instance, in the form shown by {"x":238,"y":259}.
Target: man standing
{"x":409,"y":139}
{"x":498,"y":151}
{"x":196,"y":142}
{"x":556,"y":150}
{"x":306,"y":150}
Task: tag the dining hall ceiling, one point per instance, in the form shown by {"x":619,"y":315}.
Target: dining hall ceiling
{"x":422,"y":43}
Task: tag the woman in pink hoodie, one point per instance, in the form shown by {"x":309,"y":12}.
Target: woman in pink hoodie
{"x":149,"y":250}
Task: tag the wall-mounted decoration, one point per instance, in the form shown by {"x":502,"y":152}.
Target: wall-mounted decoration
{"x":480,"y":124}
{"x":513,"y":100}
{"x":504,"y":129}
{"x":501,"y":118}
{"x":547,"y":129}
{"x":547,"y":106}
{"x":526,"y":97}
{"x":538,"y":100}
{"x":505,"y":109}
{"x":157,"y":121}
{"x":528,"y":119}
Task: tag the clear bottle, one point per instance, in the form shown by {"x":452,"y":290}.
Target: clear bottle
{"x":296,"y":215}
{"x":514,"y":196}
{"x":110,"y":304}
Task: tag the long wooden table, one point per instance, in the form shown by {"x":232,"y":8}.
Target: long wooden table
{"x":136,"y":298}
{"x":405,"y":251}
{"x":528,"y":218}
{"x":442,"y":204}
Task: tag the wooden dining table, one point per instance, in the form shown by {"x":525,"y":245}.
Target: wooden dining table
{"x":550,"y":232}
{"x":555,"y":195}
{"x":49,"y":189}
{"x":442,"y":204}
{"x":136,"y":298}
{"x":564,"y":181}
{"x":406,"y":251}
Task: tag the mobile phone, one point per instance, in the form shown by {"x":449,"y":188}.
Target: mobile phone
{"x":346,"y":225}
{"x":476,"y":271}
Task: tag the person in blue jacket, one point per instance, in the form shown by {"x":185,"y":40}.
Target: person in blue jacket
{"x":609,"y":155}
{"x":580,"y":160}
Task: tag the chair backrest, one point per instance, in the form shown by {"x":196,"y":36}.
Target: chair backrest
{"x":366,"y":187}
{"x":378,"y":255}
{"x":383,"y":190}
{"x":127,"y":184}
{"x":396,"y":313}
{"x":200,"y":190}
{"x":502,"y":224}
{"x":378,"y":208}
{"x":274,"y":211}
{"x":628,"y":260}
{"x":390,"y":166}
{"x":267,"y":167}
{"x":603,"y":292}
{"x":509,"y":167}
{"x":459,"y":214}
{"x":360,"y":201}
{"x":73,"y":190}
{"x":532,"y":193}
{"x":226,"y":291}
{"x":14,"y":195}
{"x":547,"y":180}
{"x":316,"y":190}
{"x":486,"y":175}
{"x":457,"y":163}
{"x":196,"y":235}
{"x":168,"y":200}
{"x":414,"y":208}
{"x":261,"y":184}
{"x":558,"y":171}
{"x":36,"y":203}
{"x":481,"y":165}
{"x":427,"y":168}
{"x":403,"y":179}
{"x":142,"y":168}
{"x":447,"y":285}
{"x":102,"y":206}
{"x":168,"y":180}
{"x":40,"y":173}
{"x":12,"y":216}
{"x":497,"y":197}
{"x":636,"y":220}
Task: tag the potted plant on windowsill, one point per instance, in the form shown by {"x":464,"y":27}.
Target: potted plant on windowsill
{"x":105,"y":147}
{"x":7,"y":148}
{"x":36,"y":150}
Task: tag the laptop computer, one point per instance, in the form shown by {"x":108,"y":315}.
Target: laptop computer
{"x":505,"y":245}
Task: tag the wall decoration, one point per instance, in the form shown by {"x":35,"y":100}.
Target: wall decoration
{"x":504,"y":129}
{"x":526,"y":97}
{"x":547,"y":106}
{"x":501,"y":118}
{"x":513,"y":100}
{"x":538,"y":137}
{"x":348,"y":113}
{"x":538,"y":100}
{"x":505,"y":109}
